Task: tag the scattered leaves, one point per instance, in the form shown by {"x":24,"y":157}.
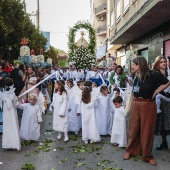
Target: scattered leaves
{"x":49,"y":130}
{"x":25,"y":143}
{"x":85,"y":148}
{"x":103,"y":163}
{"x":63,"y":161}
{"x":80,"y":164}
{"x":135,"y":157}
{"x":74,"y":138}
{"x":29,"y":167}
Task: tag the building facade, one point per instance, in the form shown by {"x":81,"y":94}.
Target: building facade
{"x":139,"y":27}
{"x":99,"y":21}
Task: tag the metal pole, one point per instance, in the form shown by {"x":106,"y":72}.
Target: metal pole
{"x":38,"y":15}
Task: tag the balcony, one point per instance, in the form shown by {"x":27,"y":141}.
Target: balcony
{"x":142,"y":22}
{"x":101,"y":30}
{"x":100,"y":9}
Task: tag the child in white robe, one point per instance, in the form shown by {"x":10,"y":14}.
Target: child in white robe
{"x":10,"y":138}
{"x":119,"y":135}
{"x":73,"y":124}
{"x":31,"y":118}
{"x":110,"y":118}
{"x":74,"y":117}
{"x":60,"y":113}
{"x":87,"y":109}
{"x":102,"y":111}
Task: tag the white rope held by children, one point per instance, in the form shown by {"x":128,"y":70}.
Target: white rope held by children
{"x":37,"y":84}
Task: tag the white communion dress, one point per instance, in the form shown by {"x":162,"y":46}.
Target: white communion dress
{"x":30,"y":127}
{"x":119,"y":135}
{"x":10,"y":138}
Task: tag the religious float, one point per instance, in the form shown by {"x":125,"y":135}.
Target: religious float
{"x":29,"y":58}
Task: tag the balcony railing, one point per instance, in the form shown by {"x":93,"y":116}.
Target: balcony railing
{"x":100,"y":8}
{"x":101,"y":28}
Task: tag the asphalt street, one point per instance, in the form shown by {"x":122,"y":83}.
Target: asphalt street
{"x":53,"y":154}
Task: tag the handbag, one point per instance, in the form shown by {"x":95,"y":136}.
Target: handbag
{"x":128,"y":104}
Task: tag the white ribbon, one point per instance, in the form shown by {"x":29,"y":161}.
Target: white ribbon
{"x":36,"y":85}
{"x":103,"y":82}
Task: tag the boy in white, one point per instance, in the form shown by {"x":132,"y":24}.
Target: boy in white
{"x":119,"y":135}
{"x":60,"y":113}
{"x":31,"y":118}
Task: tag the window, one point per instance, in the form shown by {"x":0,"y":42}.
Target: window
{"x":118,"y":10}
{"x":112,"y":19}
{"x":125,"y":5}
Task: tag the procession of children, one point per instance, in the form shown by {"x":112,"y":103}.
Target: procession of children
{"x":85,"y":102}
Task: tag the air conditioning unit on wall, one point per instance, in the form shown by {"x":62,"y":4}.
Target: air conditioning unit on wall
{"x":100,"y":18}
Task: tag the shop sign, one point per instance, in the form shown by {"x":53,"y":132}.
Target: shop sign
{"x":153,"y":38}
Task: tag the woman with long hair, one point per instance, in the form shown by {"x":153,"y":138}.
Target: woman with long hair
{"x":163,"y":118}
{"x":87,"y":109}
{"x":142,"y":120}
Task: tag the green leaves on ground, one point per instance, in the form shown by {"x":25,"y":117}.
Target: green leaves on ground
{"x":80,"y":164}
{"x":26,"y":143}
{"x":74,"y":138}
{"x":135,"y":157}
{"x":29,"y":167}
{"x":85,"y":148}
{"x":63,"y":161}
{"x":49,"y":130}
{"x":46,"y":145}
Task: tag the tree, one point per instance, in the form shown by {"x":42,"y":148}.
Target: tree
{"x":16,"y":24}
{"x":53,"y":52}
{"x":62,"y":62}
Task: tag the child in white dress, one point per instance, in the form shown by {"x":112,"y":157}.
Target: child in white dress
{"x":112,"y":95}
{"x":60,"y":113}
{"x":10,"y":138}
{"x":74,"y":124}
{"x":102,"y":111}
{"x":31,"y":118}
{"x":118,"y":135}
{"x":87,"y":109}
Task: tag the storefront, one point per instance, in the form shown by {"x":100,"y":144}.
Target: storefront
{"x":155,"y":43}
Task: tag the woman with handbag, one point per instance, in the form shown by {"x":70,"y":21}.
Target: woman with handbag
{"x":142,"y":119}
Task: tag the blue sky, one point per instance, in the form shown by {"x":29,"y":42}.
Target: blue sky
{"x":56,"y":16}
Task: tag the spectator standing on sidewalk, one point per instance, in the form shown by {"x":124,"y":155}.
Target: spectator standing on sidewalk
{"x":163,"y":118}
{"x":18,"y":77}
{"x":142,"y":120}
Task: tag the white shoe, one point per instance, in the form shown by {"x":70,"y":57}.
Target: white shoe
{"x":66,"y":138}
{"x":91,"y":141}
{"x":59,"y":136}
{"x":86,"y":142}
